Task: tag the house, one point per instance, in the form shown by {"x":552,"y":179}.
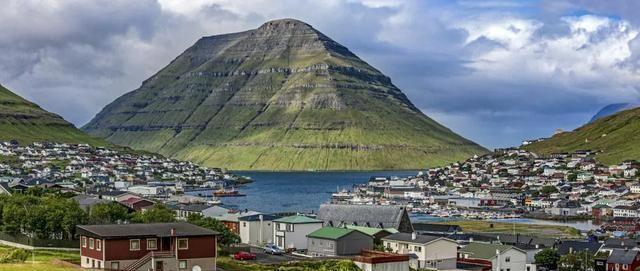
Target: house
{"x":376,"y":233}
{"x":137,"y":204}
{"x":375,"y":260}
{"x":429,"y":251}
{"x":256,"y":229}
{"x":183,"y":211}
{"x":565,"y":208}
{"x":155,"y":246}
{"x":117,"y":195}
{"x":493,"y":257}
{"x":429,"y":228}
{"x":570,"y":246}
{"x":291,"y":232}
{"x":331,"y":242}
{"x":601,"y":210}
{"x":4,"y":188}
{"x":374,"y":216}
{"x":88,"y":201}
{"x":625,"y":211}
{"x":230,"y":219}
{"x":623,"y":260}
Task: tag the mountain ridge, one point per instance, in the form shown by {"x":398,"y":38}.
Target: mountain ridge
{"x":615,"y":137}
{"x":26,"y":122}
{"x":283,"y":96}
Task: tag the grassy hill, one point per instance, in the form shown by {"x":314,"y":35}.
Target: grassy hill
{"x":616,"y":136}
{"x":26,"y":122}
{"x":280,"y":97}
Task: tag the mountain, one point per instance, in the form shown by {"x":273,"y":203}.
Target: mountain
{"x":280,"y":97}
{"x":612,"y":109}
{"x":617,"y":136}
{"x":27,"y":122}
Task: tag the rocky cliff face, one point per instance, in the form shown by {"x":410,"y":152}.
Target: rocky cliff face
{"x":26,"y":122}
{"x":280,"y":97}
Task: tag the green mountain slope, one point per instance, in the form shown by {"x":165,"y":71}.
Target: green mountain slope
{"x":280,"y":97}
{"x":617,"y":136}
{"x":27,"y":122}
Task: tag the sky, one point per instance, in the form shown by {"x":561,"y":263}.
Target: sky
{"x":494,"y":71}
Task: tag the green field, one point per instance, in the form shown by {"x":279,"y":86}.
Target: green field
{"x":478,"y":226}
{"x":42,"y":260}
{"x":615,"y":136}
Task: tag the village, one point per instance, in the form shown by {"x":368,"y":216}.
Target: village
{"x":371,"y":224}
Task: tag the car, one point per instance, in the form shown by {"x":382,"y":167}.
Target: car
{"x":243,"y":255}
{"x":272,"y":249}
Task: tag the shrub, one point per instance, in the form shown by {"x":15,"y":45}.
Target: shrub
{"x":16,"y":255}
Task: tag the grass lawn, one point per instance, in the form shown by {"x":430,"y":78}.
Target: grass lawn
{"x":528,"y":229}
{"x":42,"y":261}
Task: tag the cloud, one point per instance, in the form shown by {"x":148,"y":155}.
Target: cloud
{"x":495,"y":71}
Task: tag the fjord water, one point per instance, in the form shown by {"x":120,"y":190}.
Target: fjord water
{"x":297,"y":191}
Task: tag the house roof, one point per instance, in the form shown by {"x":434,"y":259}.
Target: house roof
{"x":622,"y":256}
{"x":484,"y":251}
{"x":407,"y":237}
{"x":297,"y":219}
{"x":331,"y":233}
{"x":256,"y":217}
{"x":436,"y":227}
{"x":578,"y":246}
{"x":117,"y":231}
{"x":362,"y":215}
{"x":114,"y":193}
{"x":371,"y":231}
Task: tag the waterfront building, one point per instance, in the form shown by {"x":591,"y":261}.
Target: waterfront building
{"x":291,"y":232}
{"x":431,"y":252}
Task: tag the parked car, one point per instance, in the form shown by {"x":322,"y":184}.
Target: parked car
{"x":272,"y":249}
{"x":243,"y":255}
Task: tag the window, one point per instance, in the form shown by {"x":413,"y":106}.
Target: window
{"x":244,"y":224}
{"x":417,"y":248}
{"x":624,"y":267}
{"x":183,"y":243}
{"x":152,"y":244}
{"x":115,"y":265}
{"x":290,"y":227}
{"x":99,"y":264}
{"x":90,"y":243}
{"x":84,"y":241}
{"x":507,"y":259}
{"x":87,"y":261}
{"x":182,"y":264}
{"x":98,"y":245}
{"x":134,"y":244}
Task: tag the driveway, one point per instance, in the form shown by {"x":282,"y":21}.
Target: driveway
{"x":262,"y":257}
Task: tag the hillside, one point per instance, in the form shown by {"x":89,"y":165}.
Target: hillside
{"x":27,"y":122}
{"x":280,"y":97}
{"x":617,"y":136}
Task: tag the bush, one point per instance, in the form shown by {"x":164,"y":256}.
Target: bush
{"x":16,"y":255}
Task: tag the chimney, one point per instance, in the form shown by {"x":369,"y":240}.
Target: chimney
{"x":570,"y":250}
{"x":173,"y":231}
{"x":413,"y":235}
{"x":497,"y":252}
{"x":470,"y":239}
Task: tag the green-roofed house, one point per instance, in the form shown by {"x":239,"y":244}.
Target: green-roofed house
{"x":291,"y":232}
{"x":376,"y":233}
{"x":331,"y":241}
{"x":495,"y":256}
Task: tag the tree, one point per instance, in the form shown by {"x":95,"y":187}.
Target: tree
{"x":108,"y":213}
{"x":158,"y":214}
{"x":576,"y":261}
{"x":548,"y":258}
{"x":572,"y":177}
{"x":548,"y":189}
{"x":226,"y":236}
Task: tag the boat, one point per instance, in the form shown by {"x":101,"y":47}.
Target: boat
{"x":227,"y":193}
{"x":214,"y":201}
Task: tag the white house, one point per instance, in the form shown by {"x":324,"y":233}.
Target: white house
{"x":291,"y":232}
{"x":431,"y":252}
{"x":256,"y":229}
{"x":500,"y":257}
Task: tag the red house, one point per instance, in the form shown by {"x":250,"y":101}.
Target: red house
{"x":155,"y":246}
{"x":623,"y":260}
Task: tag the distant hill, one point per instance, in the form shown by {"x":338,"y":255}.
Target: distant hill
{"x":26,"y":122}
{"x":612,"y":109}
{"x":280,"y":97}
{"x":617,"y":136}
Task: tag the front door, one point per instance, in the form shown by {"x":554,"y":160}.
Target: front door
{"x":159,"y":266}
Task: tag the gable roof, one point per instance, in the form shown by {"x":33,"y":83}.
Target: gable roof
{"x":117,"y":231}
{"x":378,"y":216}
{"x":297,"y":219}
{"x":256,"y":217}
{"x":622,"y":256}
{"x":407,"y":237}
{"x":371,"y":231}
{"x":331,"y":233}
{"x":485,"y":251}
{"x":432,"y":227}
{"x":578,"y":246}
